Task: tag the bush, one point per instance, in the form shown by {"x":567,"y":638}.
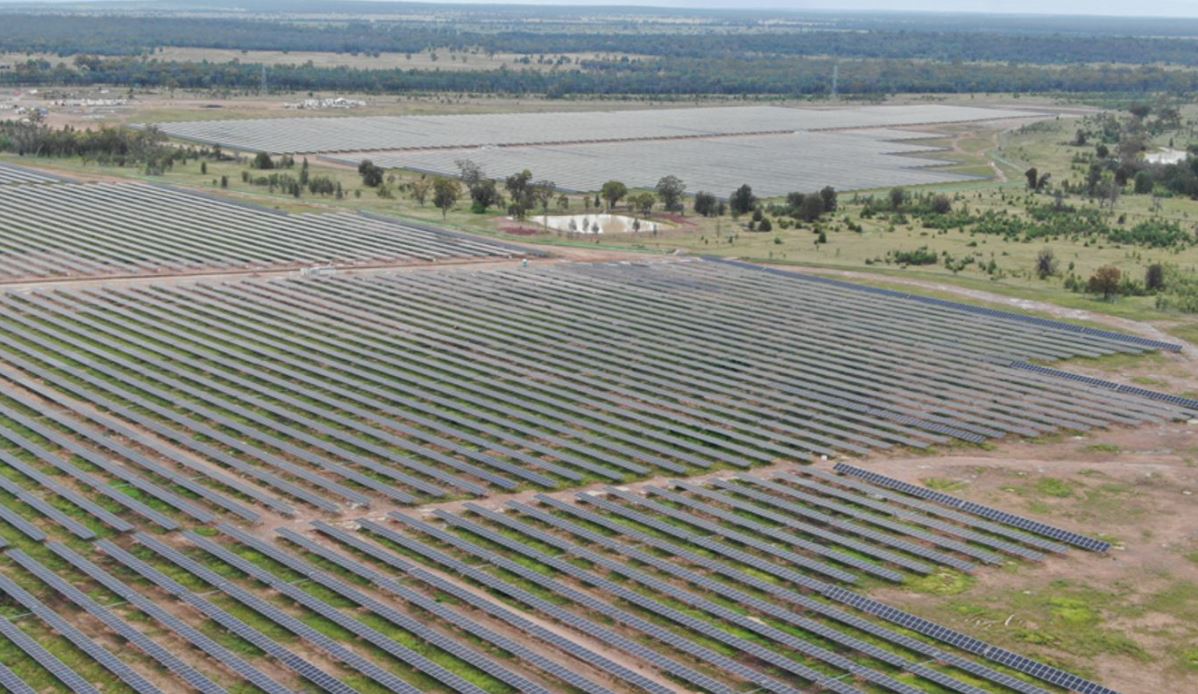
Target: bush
{"x":742,"y":200}
{"x":1106,"y":281}
{"x":372,"y":175}
{"x":1046,"y":263}
{"x":1154,"y":277}
{"x":920,"y":256}
{"x":706,"y":204}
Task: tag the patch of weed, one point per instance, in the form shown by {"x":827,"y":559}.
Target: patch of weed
{"x":1056,"y":488}
{"x":941,"y":484}
{"x":943,"y":582}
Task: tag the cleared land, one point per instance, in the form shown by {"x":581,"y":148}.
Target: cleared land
{"x":87,"y":230}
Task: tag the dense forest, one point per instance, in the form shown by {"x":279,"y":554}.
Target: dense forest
{"x":135,"y":35}
{"x":664,"y":77}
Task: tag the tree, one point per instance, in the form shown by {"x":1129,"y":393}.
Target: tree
{"x":1144,"y":183}
{"x":372,"y":176}
{"x":542,"y":193}
{"x":642,"y":202}
{"x":898,"y":196}
{"x":671,"y":189}
{"x":1140,"y":111}
{"x":705,"y":204}
{"x":1154,"y":277}
{"x":1105,"y":281}
{"x":1046,"y":263}
{"x":303,"y":175}
{"x":613,"y":192}
{"x":742,"y":200}
{"x":420,"y":189}
{"x":483,"y":194}
{"x":224,"y":181}
{"x":765,"y":225}
{"x":469,"y":172}
{"x":811,"y":208}
{"x":520,"y":191}
{"x":263,"y":162}
{"x":942,"y":204}
{"x":204,"y":168}
{"x":1033,"y":177}
{"x":446,"y":192}
{"x":828,"y":196}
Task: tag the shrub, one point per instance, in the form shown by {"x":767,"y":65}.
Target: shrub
{"x":1105,"y":281}
{"x":1154,"y":277}
{"x":920,"y":256}
{"x":1046,"y":263}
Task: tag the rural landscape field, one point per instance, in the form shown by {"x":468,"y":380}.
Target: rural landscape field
{"x":499,"y":348}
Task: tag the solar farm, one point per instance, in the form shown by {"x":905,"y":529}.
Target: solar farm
{"x":72,"y":230}
{"x":346,"y":134}
{"x":772,"y":162}
{"x":14,"y":175}
{"x":776,"y":149}
{"x":535,"y":477}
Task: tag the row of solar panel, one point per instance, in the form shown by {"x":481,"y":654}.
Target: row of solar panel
{"x":624,"y":566}
{"x":562,"y":526}
{"x":976,"y":509}
{"x":968,"y":308}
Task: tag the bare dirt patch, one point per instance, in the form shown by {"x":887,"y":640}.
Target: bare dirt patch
{"x":1128,"y":618}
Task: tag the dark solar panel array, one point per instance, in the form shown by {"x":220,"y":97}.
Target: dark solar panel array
{"x":408,"y":387}
{"x":1178,"y":400}
{"x":976,"y":509}
{"x":667,"y":581}
{"x":240,"y":404}
{"x":966,"y":308}
{"x":77,"y":230}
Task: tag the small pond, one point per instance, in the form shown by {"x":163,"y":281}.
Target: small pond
{"x":597,"y":224}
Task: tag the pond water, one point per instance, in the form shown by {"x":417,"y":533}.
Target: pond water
{"x":1166,"y":156}
{"x":597,"y":224}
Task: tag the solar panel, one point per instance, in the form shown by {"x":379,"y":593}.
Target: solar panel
{"x":188,"y":674}
{"x":772,"y":588}
{"x":46,"y":659}
{"x":977,"y":509}
{"x":191,"y":634}
{"x":406,"y":622}
{"x":80,"y":640}
{"x":662,"y":662}
{"x":969,"y":644}
{"x":291,"y":660}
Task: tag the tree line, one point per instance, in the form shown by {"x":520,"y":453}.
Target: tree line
{"x":71,"y":34}
{"x":663,"y":77}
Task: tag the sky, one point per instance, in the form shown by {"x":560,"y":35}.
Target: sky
{"x":1155,"y":8}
